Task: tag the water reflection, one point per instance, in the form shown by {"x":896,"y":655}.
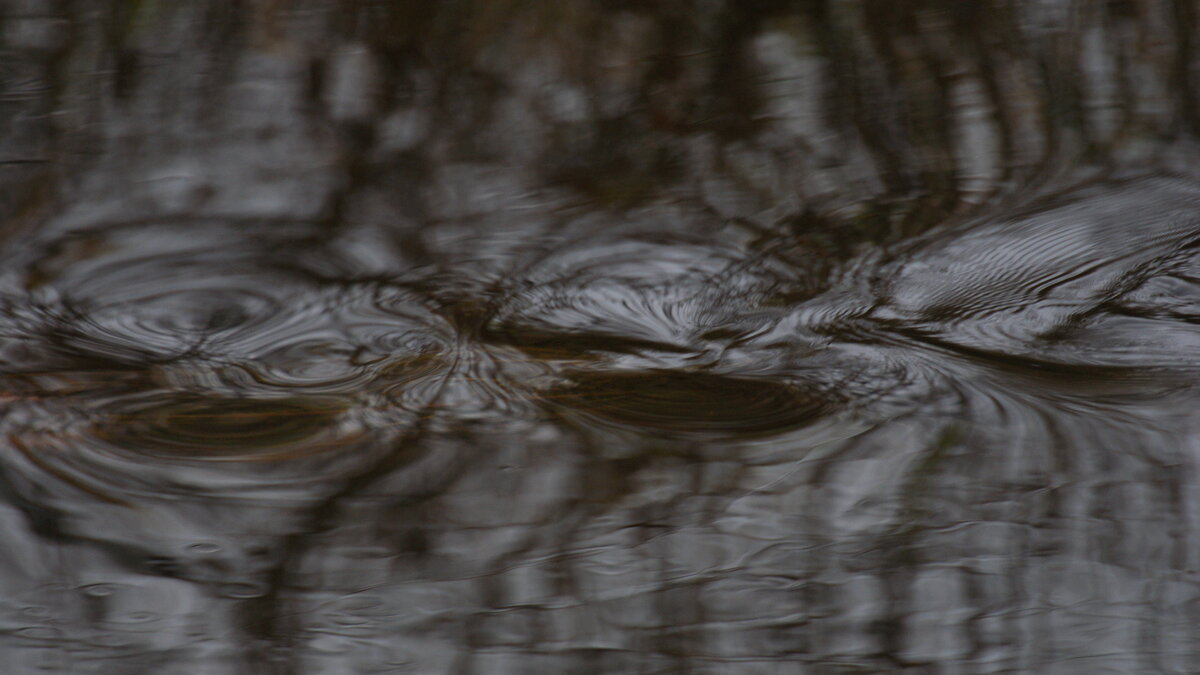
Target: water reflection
{"x":685,"y":403}
{"x":687,"y":337}
{"x":203,"y":428}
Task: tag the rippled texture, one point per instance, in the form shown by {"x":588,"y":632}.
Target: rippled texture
{"x":689,"y":403}
{"x":199,"y":428}
{"x":513,"y":336}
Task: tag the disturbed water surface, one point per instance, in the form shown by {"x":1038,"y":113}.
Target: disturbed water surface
{"x":697,"y":337}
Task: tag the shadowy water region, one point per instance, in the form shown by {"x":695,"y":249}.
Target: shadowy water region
{"x":686,"y":336}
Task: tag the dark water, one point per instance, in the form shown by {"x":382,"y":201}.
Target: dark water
{"x":599,"y":337}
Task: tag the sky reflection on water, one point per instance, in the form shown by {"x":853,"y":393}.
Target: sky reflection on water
{"x":522,"y":337}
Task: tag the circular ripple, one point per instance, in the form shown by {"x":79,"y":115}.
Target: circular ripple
{"x":176,"y":319}
{"x":690,"y":402}
{"x":156,"y":291}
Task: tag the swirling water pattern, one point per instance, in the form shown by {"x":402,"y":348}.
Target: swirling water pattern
{"x":650,"y":363}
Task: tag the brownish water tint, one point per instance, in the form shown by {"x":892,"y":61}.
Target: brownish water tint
{"x":599,"y":337}
{"x":684,"y":403}
{"x":213,"y":428}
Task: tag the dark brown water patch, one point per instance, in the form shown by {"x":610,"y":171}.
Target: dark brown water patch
{"x":699,"y":403}
{"x":226,"y":429}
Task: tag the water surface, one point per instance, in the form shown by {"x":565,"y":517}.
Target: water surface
{"x":496,"y":337}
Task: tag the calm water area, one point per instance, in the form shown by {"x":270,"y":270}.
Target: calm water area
{"x":596,"y":336}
